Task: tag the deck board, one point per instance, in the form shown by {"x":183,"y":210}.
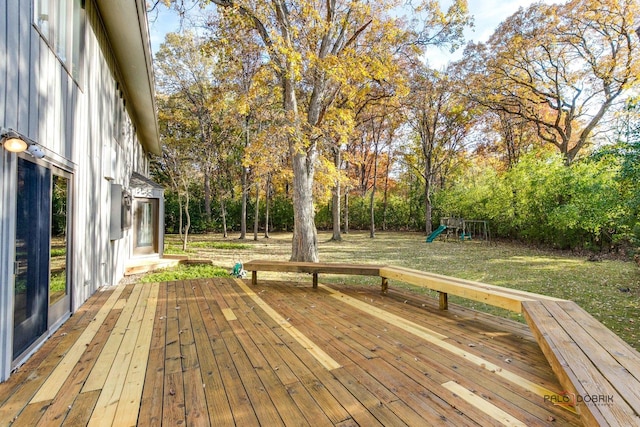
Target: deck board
{"x":221,"y":352}
{"x":417,"y":359}
{"x":594,"y":376}
{"x":29,"y":378}
{"x":150,"y":413}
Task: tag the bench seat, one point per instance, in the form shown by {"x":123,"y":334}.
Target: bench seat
{"x":598,"y":370}
{"x":313,"y":268}
{"x":510,"y":299}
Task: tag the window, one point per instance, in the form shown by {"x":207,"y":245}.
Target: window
{"x":145,"y":226}
{"x":61,"y":24}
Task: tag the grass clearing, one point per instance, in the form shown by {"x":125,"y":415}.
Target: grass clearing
{"x":185,"y":272}
{"x":608,"y":289}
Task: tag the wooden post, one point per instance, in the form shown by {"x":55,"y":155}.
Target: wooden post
{"x":444,"y":302}
{"x":254,"y":278}
{"x":385,"y":285}
{"x":315,"y":280}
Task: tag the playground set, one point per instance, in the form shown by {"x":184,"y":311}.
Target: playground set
{"x":462,"y":229}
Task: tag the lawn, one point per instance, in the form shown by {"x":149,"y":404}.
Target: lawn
{"x":608,"y":289}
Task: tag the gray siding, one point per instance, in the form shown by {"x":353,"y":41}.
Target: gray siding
{"x":75,"y":122}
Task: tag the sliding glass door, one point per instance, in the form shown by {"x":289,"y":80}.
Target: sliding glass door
{"x":41,"y":287}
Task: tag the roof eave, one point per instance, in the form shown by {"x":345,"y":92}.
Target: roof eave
{"x":126,"y":25}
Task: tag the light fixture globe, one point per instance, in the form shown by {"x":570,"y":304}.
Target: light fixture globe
{"x":11,"y":141}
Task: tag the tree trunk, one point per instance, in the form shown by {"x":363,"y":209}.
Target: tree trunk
{"x":266,"y":207}
{"x":427,"y":206}
{"x":243,"y":213}
{"x":385,"y":202}
{"x":335,"y":202}
{"x":256,"y":216}
{"x":372,"y":228}
{"x":180,"y":216}
{"x":188,"y":224}
{"x":245,"y":189}
{"x":223,"y":213}
{"x":207,"y":198}
{"x":304,"y":245}
{"x":305,"y":237}
{"x":427,"y":150}
{"x":346,"y":210}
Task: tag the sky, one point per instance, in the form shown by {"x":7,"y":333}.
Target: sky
{"x":488,"y":14}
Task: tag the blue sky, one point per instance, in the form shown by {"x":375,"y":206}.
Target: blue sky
{"x":488,"y":14}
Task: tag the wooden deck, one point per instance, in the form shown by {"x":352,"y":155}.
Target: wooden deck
{"x":222,"y":352}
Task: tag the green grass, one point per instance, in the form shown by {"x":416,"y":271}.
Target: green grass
{"x":218,"y":245}
{"x":170,"y":249}
{"x":174,"y":246}
{"x":608,"y":289}
{"x":56,"y":252}
{"x":58,"y":282}
{"x":185,"y":272}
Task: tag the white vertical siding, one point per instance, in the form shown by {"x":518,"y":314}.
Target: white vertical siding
{"x":3,"y":54}
{"x":11,"y":26}
{"x":34,"y":82}
{"x":24,"y":67}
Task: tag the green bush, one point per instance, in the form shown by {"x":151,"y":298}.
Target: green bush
{"x":541,"y":200}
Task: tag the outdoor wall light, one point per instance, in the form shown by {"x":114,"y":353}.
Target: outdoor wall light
{"x":11,"y":141}
{"x":16,"y":143}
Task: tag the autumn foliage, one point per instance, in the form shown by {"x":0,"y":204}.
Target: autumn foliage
{"x":327,"y":113}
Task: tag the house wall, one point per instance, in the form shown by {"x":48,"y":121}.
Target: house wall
{"x":85,"y":128}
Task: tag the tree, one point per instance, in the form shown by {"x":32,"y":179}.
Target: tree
{"x":379,"y":123}
{"x":503,"y":136}
{"x":303,"y":41}
{"x":559,"y":67}
{"x":176,"y":166}
{"x":440,"y":121}
{"x":186,"y":70}
{"x":308,"y":44}
{"x":626,"y":153}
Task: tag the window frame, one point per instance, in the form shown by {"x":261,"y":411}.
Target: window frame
{"x":68,"y":45}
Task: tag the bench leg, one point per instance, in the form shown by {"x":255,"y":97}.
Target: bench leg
{"x":385,"y":285}
{"x":444,"y":301}
{"x":315,"y":280}
{"x":254,"y":278}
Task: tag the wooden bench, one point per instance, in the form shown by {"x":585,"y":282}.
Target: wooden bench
{"x":498,"y":296}
{"x":510,"y":299}
{"x":313,"y":268}
{"x":598,"y":370}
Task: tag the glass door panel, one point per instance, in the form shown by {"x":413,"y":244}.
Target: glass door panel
{"x":31,"y":287}
{"x":145,"y":226}
{"x":59,"y":299}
